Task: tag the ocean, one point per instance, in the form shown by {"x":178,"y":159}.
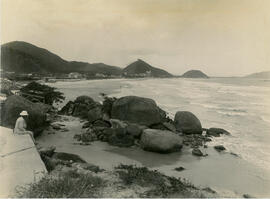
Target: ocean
{"x":239,"y":105}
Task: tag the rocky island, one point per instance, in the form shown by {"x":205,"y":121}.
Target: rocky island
{"x":194,"y":74}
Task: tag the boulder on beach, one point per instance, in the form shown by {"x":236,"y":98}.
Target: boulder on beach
{"x":67,"y":109}
{"x":80,"y":107}
{"x":187,"y":123}
{"x":216,"y":132}
{"x":160,"y":141}
{"x":12,"y":107}
{"x":220,"y":148}
{"x":197,"y":152}
{"x":138,"y":110}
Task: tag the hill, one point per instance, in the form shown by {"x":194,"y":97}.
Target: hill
{"x":194,"y":74}
{"x":261,"y":75}
{"x":23,"y":57}
{"x":140,"y":68}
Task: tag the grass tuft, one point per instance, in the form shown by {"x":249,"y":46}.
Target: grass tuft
{"x":163,"y":186}
{"x":66,"y":185}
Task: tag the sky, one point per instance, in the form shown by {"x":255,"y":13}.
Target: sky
{"x":219,"y":37}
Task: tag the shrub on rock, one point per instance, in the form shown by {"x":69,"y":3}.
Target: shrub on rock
{"x":160,"y":141}
{"x":187,"y":123}
{"x":138,"y":110}
{"x":12,"y":107}
{"x":68,"y":157}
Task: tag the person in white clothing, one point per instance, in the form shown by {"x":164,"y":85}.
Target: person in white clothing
{"x":20,"y":126}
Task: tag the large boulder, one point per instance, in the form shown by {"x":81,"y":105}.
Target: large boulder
{"x":138,"y":110}
{"x":187,"y":123}
{"x":160,"y":141}
{"x":12,"y":107}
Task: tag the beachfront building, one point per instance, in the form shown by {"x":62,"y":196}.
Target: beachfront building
{"x":75,"y":75}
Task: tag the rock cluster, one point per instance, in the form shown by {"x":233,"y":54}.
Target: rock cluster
{"x":133,"y":120}
{"x":83,"y":107}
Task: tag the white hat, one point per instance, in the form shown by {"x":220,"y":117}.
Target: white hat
{"x":23,"y":113}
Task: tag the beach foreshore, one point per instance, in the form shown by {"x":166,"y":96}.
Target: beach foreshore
{"x":197,"y":169}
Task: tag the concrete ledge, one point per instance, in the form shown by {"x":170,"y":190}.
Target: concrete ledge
{"x":20,"y":162}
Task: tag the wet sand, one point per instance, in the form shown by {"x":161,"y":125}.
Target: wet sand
{"x":229,"y":175}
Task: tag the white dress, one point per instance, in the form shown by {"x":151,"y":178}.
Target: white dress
{"x":20,"y":126}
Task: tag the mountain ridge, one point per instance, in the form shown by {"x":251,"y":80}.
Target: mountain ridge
{"x":262,"y":75}
{"x":23,"y":57}
{"x":20,"y":56}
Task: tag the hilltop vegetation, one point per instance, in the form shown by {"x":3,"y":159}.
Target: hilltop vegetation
{"x":23,"y":57}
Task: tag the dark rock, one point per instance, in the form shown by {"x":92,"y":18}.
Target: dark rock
{"x":84,"y":99}
{"x":138,"y":110}
{"x":234,"y":154}
{"x":169,"y":126}
{"x":86,"y":125}
{"x":102,"y":123}
{"x":81,"y":110}
{"x":159,"y":126}
{"x":119,"y":137}
{"x":179,"y":169}
{"x":12,"y":107}
{"x":47,"y":151}
{"x":216,"y":132}
{"x":50,"y":163}
{"x":160,"y":141}
{"x":134,"y":130}
{"x":68,"y":157}
{"x":80,"y":107}
{"x":95,"y":114}
{"x":247,"y":196}
{"x":187,"y":122}
{"x":219,"y":148}
{"x":67,"y":109}
{"x":197,"y":152}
